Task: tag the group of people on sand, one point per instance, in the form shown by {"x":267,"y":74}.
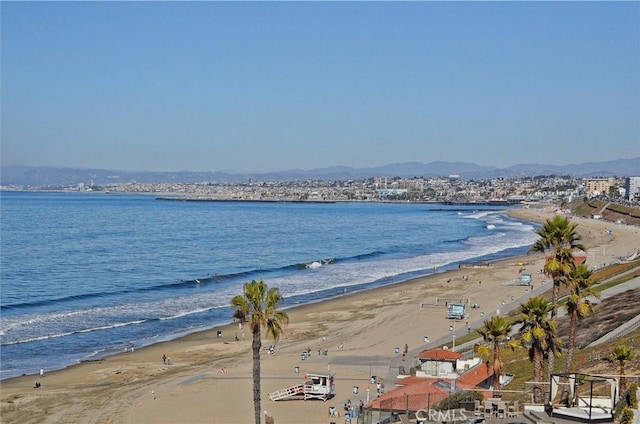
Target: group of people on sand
{"x":349,"y":410}
{"x":38,"y":385}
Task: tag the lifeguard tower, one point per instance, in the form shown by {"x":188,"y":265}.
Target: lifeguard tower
{"x":525,"y":279}
{"x":456,"y":311}
{"x":314,"y":386}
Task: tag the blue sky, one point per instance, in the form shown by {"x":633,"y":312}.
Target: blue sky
{"x":266,"y":86}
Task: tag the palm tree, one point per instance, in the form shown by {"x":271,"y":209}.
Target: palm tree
{"x":623,"y":354}
{"x":259,"y":305}
{"x":558,"y":240}
{"x":578,"y":304}
{"x":493,"y":331}
{"x":538,"y":334}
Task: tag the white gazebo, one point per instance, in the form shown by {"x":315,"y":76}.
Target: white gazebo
{"x":583,"y":397}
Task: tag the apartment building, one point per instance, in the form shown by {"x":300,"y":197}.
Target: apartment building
{"x":598,"y":186}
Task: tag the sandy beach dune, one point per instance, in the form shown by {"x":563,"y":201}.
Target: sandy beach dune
{"x":208,"y":379}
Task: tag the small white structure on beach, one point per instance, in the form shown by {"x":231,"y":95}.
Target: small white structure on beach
{"x":525,"y":279}
{"x":456,"y":311}
{"x":314,"y":386}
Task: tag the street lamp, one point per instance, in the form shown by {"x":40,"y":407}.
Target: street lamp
{"x":453,"y":346}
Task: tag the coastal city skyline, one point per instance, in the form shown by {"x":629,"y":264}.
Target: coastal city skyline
{"x":217,"y":86}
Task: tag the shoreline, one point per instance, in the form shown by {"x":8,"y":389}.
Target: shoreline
{"x":360,"y":331}
{"x":332,"y":294}
{"x":231,"y":326}
{"x":498,"y":204}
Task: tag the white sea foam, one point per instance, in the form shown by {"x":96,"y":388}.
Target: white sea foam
{"x":187,"y":312}
{"x":353,"y":273}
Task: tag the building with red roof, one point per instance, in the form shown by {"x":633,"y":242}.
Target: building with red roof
{"x":437,"y":374}
{"x":437,"y":362}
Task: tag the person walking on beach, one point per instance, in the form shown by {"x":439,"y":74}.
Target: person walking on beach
{"x":164,"y":359}
{"x":41,"y":372}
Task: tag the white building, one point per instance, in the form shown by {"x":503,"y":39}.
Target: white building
{"x":632,"y":187}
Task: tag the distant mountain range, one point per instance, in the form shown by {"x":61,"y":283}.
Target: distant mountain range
{"x":50,"y":176}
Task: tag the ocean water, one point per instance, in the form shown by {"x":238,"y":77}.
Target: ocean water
{"x":85,"y":275}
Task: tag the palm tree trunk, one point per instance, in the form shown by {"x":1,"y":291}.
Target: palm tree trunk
{"x":256,"y":345}
{"x":550,"y":352}
{"x":538,"y":374}
{"x":572,"y":340}
{"x":623,"y":379}
{"x":551,"y":362}
{"x":496,"y":370}
{"x":555,"y":294}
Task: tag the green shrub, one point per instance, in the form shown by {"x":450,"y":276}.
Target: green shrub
{"x":633,"y":396}
{"x":627,"y":416}
{"x":620,"y":408}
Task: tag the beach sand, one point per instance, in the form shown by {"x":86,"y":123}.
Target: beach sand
{"x":209,"y":378}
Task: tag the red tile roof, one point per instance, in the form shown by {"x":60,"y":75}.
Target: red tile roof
{"x":579,"y":257}
{"x":412,"y":379}
{"x":414,"y":393}
{"x":475,"y":376}
{"x":412,"y":397}
{"x":439,"y":354}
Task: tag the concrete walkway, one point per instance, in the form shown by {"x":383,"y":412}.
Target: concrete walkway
{"x":396,"y":362}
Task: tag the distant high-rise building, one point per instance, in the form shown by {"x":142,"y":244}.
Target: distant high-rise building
{"x":632,"y":187}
